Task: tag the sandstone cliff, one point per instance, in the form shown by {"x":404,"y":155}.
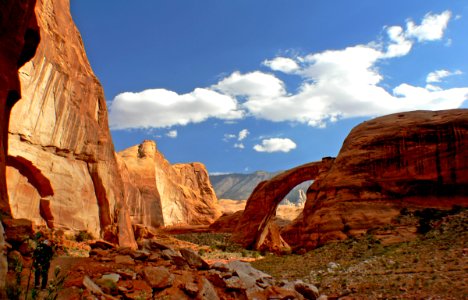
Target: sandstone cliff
{"x":59,"y":137}
{"x":412,"y":159}
{"x":166,"y":194}
{"x":19,"y":36}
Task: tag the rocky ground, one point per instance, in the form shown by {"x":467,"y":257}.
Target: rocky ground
{"x":432,"y":266}
{"x":162,"y":268}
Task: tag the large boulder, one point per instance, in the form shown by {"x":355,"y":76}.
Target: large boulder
{"x":165,"y":194}
{"x":60,"y":130}
{"x":407,"y":160}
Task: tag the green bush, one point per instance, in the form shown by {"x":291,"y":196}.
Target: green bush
{"x":14,"y":289}
{"x":83,"y":235}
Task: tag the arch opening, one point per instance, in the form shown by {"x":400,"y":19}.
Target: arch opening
{"x":255,"y":224}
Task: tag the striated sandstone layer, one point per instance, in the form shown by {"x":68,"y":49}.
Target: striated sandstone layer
{"x":407,"y":160}
{"x":166,"y":194}
{"x":60,"y":129}
{"x":19,"y":36}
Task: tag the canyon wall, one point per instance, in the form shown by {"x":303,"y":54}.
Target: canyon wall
{"x":19,"y":36}
{"x":59,"y":132}
{"x":161,"y":194}
{"x":407,"y":160}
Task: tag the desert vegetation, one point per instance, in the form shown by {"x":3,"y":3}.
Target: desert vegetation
{"x":434,"y":263}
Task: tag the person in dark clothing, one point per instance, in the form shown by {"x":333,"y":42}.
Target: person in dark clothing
{"x":41,"y":263}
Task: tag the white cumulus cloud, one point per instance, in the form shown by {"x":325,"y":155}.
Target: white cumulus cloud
{"x":163,"y":108}
{"x":282,"y":64}
{"x":275,"y":145}
{"x":255,"y":83}
{"x":347,"y":83}
{"x":432,"y":27}
{"x":242,"y":134}
{"x":334,"y":84}
{"x":172,"y":134}
{"x":399,"y":45}
{"x":438,"y":75}
{"x":229,"y":136}
{"x":239,"y":145}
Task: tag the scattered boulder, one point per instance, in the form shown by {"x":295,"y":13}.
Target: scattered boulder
{"x":158,"y":277}
{"x":173,"y":256}
{"x":140,"y":254}
{"x":190,"y":288}
{"x":309,"y":291}
{"x":221,"y":267}
{"x":193,"y":259}
{"x":17,"y":231}
{"x":127,"y":274}
{"x":135,"y":289}
{"x":207,"y":291}
{"x":112,"y":277}
{"x":100,"y":244}
{"x":93,"y":288}
{"x":98,"y":252}
{"x":153,"y":244}
{"x":275,"y":292}
{"x":124,"y":260}
{"x":234,"y":283}
{"x":249,"y":275}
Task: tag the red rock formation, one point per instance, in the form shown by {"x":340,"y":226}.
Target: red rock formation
{"x":166,"y":194}
{"x":413,"y":159}
{"x":61,"y":129}
{"x":19,"y":36}
{"x":254,"y":227}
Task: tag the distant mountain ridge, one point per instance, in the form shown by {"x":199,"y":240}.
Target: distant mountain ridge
{"x":238,"y":186}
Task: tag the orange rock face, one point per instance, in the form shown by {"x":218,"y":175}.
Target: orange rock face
{"x":19,"y":36}
{"x":61,"y":129}
{"x":161,"y":194}
{"x":414,"y":159}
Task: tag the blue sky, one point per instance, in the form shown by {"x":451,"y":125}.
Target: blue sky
{"x":250,"y":85}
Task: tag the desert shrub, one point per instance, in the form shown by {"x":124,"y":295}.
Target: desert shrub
{"x":14,"y":289}
{"x":108,"y":286}
{"x":428,"y":216}
{"x":217,"y":241}
{"x":83,"y":235}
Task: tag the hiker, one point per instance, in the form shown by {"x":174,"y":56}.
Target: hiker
{"x":41,"y":263}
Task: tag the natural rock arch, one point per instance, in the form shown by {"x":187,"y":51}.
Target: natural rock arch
{"x":262,"y":203}
{"x":32,"y":173}
{"x":40,"y":183}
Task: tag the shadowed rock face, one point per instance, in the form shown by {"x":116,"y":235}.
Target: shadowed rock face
{"x":19,"y":36}
{"x":61,"y":129}
{"x":161,"y":194}
{"x":415,"y":159}
{"x":254,"y":227}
